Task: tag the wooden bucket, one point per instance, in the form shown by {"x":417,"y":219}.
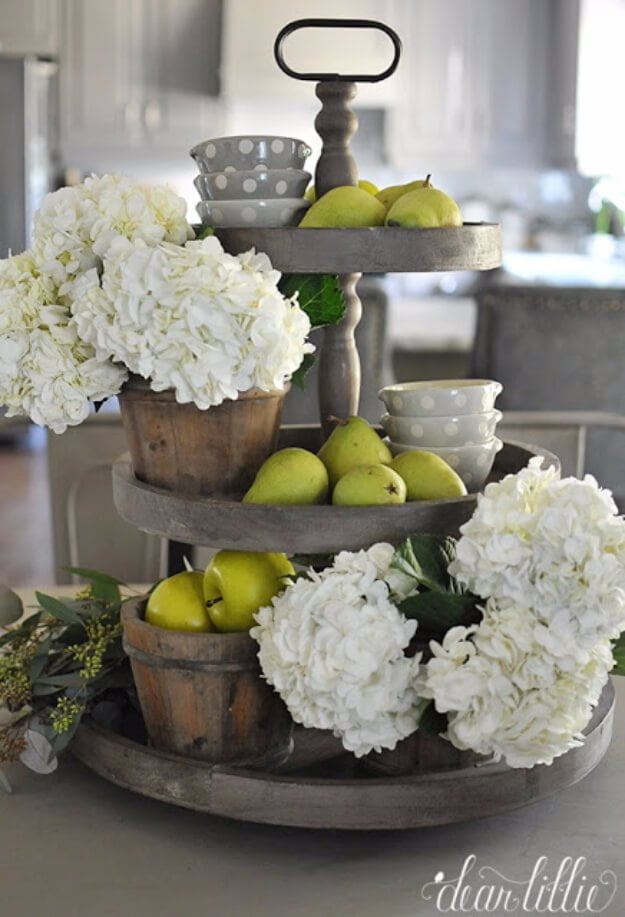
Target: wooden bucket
{"x":215,"y":452}
{"x":203,"y":696}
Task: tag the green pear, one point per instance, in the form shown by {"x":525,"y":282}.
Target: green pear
{"x":345,"y":206}
{"x":353,"y":442}
{"x":424,"y":208}
{"x":291,"y":476}
{"x":388,"y":196}
{"x":11,"y":607}
{"x":311,"y":191}
{"x":369,"y":485}
{"x":427,"y":476}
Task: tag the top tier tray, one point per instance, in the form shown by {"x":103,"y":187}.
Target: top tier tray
{"x":371,"y":250}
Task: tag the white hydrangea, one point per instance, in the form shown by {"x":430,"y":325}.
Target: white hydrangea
{"x":75,"y":226}
{"x":192,"y":318}
{"x":556,"y":546}
{"x":46,"y":371}
{"x":505,"y":693}
{"x":333,"y":646}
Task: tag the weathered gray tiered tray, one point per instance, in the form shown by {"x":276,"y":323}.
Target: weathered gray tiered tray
{"x":372,"y":250}
{"x":294,"y":529}
{"x":322,"y":789}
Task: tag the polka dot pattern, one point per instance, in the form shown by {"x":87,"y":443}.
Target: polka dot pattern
{"x":248,"y":152}
{"x":417,"y":430}
{"x":249,"y":185}
{"x":245,"y":146}
{"x":427,"y":402}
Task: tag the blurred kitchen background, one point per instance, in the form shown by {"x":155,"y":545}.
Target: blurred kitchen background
{"x":514,"y":106}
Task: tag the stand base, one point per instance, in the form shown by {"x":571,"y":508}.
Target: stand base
{"x":323,"y":787}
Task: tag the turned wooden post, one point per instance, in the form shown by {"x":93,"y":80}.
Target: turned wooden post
{"x":339,"y":363}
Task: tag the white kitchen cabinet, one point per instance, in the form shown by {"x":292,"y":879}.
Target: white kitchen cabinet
{"x":250,"y":29}
{"x":138,"y":73}
{"x":29,"y":27}
{"x":474,"y":85}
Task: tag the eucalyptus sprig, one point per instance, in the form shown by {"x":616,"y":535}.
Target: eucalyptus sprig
{"x":53,"y":665}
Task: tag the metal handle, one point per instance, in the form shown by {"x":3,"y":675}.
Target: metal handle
{"x":336,"y":24}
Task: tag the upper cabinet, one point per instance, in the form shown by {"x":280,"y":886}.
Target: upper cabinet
{"x":140,"y":74}
{"x":29,"y":27}
{"x":477,"y":84}
{"x":250,"y":29}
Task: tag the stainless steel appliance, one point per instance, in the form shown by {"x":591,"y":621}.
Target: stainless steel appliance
{"x":29,"y":158}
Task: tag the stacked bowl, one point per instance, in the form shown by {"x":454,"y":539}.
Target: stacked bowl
{"x":455,"y":418}
{"x":254,"y":180}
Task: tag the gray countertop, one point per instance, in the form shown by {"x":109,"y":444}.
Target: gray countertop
{"x":72,"y":845}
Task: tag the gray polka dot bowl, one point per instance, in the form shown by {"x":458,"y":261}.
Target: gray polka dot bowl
{"x":473,"y":463}
{"x":266,"y":214}
{"x":252,"y":183}
{"x":452,"y":430}
{"x":442,"y":397}
{"x":249,"y":151}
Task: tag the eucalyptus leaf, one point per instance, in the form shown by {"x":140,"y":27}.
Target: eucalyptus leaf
{"x":437,"y":611}
{"x":95,"y":575}
{"x":319,"y":295}
{"x":11,"y":606}
{"x":58,"y":609}
{"x":38,"y":755}
{"x":40,"y":660}
{"x":25,"y":629}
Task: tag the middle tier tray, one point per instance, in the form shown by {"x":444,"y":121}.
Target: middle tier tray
{"x":295,"y":529}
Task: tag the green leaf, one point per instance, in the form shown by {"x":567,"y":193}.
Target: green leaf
{"x":431,"y":722}
{"x":618,"y":651}
{"x":299,"y":376}
{"x":58,"y":609}
{"x":205,"y":232}
{"x":40,"y":660}
{"x":25,"y":629}
{"x":94,"y":575}
{"x":319,"y":295}
{"x":437,"y":611}
{"x":426,"y":558}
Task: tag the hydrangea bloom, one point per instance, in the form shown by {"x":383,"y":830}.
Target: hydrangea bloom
{"x":333,"y":645}
{"x":555,"y":546}
{"x":504,"y":692}
{"x":192,"y":318}
{"x":75,"y":226}
{"x":46,"y":371}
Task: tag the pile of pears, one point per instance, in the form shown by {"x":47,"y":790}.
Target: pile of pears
{"x":416,"y":205}
{"x":354,"y":467}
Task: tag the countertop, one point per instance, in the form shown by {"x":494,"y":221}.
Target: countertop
{"x":73,"y":845}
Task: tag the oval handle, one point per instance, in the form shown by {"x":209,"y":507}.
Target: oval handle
{"x":336,"y":24}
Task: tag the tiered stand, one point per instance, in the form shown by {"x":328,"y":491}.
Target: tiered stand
{"x":321,"y":785}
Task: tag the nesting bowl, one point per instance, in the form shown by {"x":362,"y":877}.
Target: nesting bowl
{"x":440,"y":398}
{"x":448,"y":430}
{"x":245,"y":152}
{"x":472,"y":463}
{"x":269,"y":213}
{"x":252,"y":183}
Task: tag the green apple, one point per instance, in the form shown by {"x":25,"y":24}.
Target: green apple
{"x":238,"y":583}
{"x":178,"y":603}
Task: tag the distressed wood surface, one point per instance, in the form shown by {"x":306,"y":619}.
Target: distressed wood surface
{"x":336,"y":124}
{"x":302,"y":529}
{"x":179,"y":447}
{"x":371,"y":250}
{"x":338,"y":794}
{"x":339,"y":363}
{"x":202,"y":695}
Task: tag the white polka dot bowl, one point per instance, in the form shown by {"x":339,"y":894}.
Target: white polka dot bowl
{"x":442,"y":397}
{"x":473,"y":463}
{"x":267,"y":214}
{"x":452,"y":430}
{"x":247,"y":152}
{"x":252,"y":183}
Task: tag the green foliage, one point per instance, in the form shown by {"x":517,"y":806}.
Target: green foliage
{"x":441,"y":601}
{"x":299,"y":376}
{"x":618,"y":651}
{"x":319,"y":295}
{"x":53,"y":667}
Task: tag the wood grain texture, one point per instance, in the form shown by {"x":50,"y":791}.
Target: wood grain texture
{"x":371,"y":250}
{"x":301,"y":529}
{"x":337,"y":796}
{"x":336,"y":124}
{"x":202,"y":695}
{"x":339,"y":362}
{"x":179,"y":447}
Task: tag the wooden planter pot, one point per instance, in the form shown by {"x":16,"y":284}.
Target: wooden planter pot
{"x":216,"y":452}
{"x":202,"y":695}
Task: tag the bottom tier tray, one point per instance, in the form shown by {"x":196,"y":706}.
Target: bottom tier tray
{"x":323,"y":787}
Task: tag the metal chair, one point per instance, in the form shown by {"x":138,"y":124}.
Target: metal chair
{"x":87,"y":531}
